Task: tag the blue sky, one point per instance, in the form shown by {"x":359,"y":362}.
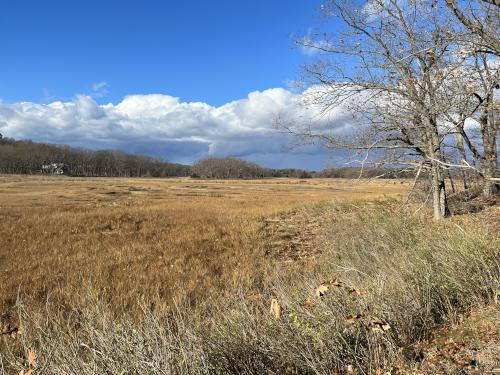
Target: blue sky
{"x":211,"y":52}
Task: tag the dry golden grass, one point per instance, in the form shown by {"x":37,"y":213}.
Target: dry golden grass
{"x":367,"y":302}
{"x":267,"y":277}
{"x":145,"y":238}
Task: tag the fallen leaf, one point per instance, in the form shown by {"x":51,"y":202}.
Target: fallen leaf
{"x":352,"y":319}
{"x":275,"y":308}
{"x":355,"y":292}
{"x":309,"y":302}
{"x":379,"y":326}
{"x":9,"y":330}
{"x":321,"y":290}
{"x":32,"y":357}
{"x":336,"y":282}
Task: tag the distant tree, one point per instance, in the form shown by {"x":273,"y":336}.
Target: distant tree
{"x":28,"y":157}
{"x":227,"y":168}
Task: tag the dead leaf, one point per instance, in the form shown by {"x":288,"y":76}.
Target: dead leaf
{"x":309,"y":302}
{"x":335,"y":282}
{"x":379,"y":326}
{"x":321,"y":290}
{"x":275,"y":308}
{"x":356,"y":293}
{"x":9,"y":330}
{"x":353,"y":319}
{"x":32,"y":357}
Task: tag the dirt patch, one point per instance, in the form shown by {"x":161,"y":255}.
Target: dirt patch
{"x":471,"y":201}
{"x":471,"y":347}
{"x":297,"y":234}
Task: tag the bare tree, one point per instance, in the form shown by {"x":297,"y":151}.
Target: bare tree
{"x":472,"y":96}
{"x":481,"y":18}
{"x":387,"y":67}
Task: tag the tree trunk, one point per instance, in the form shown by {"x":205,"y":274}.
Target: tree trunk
{"x":459,"y":142}
{"x":439,"y":202}
{"x":489,"y":164}
{"x":489,"y":168}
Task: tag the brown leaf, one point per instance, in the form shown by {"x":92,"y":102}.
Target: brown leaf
{"x":355,"y":293}
{"x":353,"y":319}
{"x":321,"y":290}
{"x":9,"y":330}
{"x":32,"y":357}
{"x":275,"y":308}
{"x":336,"y":282}
{"x":309,"y":302}
{"x":379,"y":326}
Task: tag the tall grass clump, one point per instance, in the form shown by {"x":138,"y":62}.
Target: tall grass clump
{"x":384,"y":281}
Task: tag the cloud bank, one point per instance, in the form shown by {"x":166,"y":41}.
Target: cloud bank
{"x":163,"y":125}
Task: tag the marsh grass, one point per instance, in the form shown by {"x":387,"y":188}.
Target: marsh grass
{"x":144,"y":238}
{"x":391,"y":280}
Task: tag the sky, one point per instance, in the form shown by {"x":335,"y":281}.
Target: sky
{"x":179,"y":80}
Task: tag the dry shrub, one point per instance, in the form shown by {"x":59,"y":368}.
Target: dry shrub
{"x":390,"y":280}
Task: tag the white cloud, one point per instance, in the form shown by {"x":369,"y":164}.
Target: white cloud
{"x":100,"y":89}
{"x":165,"y":126}
{"x":313,"y":43}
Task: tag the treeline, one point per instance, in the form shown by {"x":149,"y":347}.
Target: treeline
{"x":370,"y":172}
{"x":234,"y":168}
{"x":27,"y":157}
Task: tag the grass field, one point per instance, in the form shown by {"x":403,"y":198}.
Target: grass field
{"x":176,"y":276}
{"x":145,"y":238}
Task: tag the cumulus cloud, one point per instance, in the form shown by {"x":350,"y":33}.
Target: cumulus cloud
{"x":163,"y":125}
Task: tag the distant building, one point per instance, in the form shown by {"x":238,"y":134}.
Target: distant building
{"x":53,"y":168}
